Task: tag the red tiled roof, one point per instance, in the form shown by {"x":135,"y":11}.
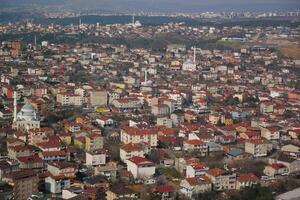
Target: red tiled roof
{"x":62,"y":165}
{"x":94,"y":135}
{"x":197,"y":180}
{"x":273,"y":128}
{"x":136,"y":131}
{"x":194,"y":142}
{"x":198,"y":165}
{"x":170,"y":139}
{"x":165,"y":188}
{"x":131,"y":147}
{"x":205,"y":136}
{"x":49,"y":144}
{"x":22,"y":148}
{"x":140,"y":160}
{"x":166,"y":131}
{"x":228,"y":137}
{"x":256,"y":141}
{"x":53,"y":153}
{"x":126,"y":100}
{"x":250,"y":177}
{"x":22,"y":174}
{"x":277,"y":165}
{"x":215,"y":171}
{"x":81,"y":139}
{"x":29,"y":159}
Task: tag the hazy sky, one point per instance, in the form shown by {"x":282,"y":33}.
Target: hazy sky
{"x":169,"y":5}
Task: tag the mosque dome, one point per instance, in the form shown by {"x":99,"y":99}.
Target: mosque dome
{"x":27,"y":113}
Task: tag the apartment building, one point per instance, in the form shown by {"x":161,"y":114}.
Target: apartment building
{"x":135,"y":136}
{"x":221,"y":179}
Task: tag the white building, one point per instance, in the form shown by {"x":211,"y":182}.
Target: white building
{"x":27,"y":118}
{"x":196,"y":169}
{"x":140,"y":167}
{"x":196,"y":185}
{"x":55,"y":184}
{"x":95,"y":158}
{"x":69,"y":99}
{"x":189,"y":66}
{"x":104,"y":121}
{"x":127,"y":103}
{"x":130,"y":150}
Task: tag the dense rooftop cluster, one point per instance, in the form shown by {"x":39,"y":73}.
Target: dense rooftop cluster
{"x":94,"y":120}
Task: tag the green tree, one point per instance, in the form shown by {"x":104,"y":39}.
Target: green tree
{"x":206,"y":196}
{"x":256,"y":192}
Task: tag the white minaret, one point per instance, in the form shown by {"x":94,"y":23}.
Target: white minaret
{"x":132,"y":19}
{"x":15,"y":106}
{"x":194,"y":55}
{"x":146,"y":74}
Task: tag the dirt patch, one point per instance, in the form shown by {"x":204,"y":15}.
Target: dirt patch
{"x":290,"y":51}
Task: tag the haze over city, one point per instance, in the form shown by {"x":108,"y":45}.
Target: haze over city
{"x":165,"y":5}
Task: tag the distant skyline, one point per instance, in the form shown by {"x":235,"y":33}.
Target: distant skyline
{"x":165,"y":5}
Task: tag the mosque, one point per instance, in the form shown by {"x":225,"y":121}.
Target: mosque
{"x":27,"y":118}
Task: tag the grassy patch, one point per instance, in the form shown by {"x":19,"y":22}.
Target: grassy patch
{"x":170,"y":173}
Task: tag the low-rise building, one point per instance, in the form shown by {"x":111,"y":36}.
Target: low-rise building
{"x":196,"y":168}
{"x":120,"y":192}
{"x":55,"y":184}
{"x":246,"y":180}
{"x":95,"y":157}
{"x":221,"y":179}
{"x":194,"y":186}
{"x":93,"y":141}
{"x":136,"y":136}
{"x":140,"y":167}
{"x":257,"y":148}
{"x":126,"y":103}
{"x":271,"y":133}
{"x":66,"y":99}
{"x":130,"y":150}
{"x":195,"y":145}
{"x":66,"y":169}
{"x":160,"y":109}
{"x":276,"y":169}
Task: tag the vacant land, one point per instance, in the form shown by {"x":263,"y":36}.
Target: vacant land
{"x":287,"y":47}
{"x":292,"y":51}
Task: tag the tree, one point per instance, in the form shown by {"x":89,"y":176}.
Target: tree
{"x":206,"y":196}
{"x":256,"y":192}
{"x":52,"y":118}
{"x":231,"y":101}
{"x":288,"y":114}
